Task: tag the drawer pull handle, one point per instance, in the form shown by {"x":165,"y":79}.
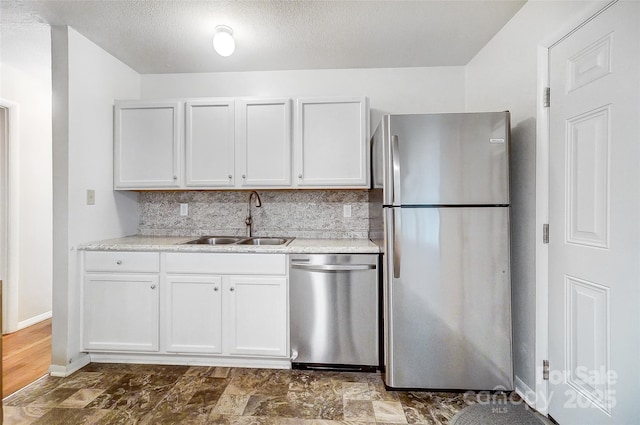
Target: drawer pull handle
{"x":153,"y":286}
{"x":119,"y":262}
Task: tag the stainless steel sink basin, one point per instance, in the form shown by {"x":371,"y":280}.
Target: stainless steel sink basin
{"x":264,"y":241}
{"x":215,"y":240}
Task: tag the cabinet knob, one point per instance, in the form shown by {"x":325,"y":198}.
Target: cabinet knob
{"x":215,"y":288}
{"x":230,"y":176}
{"x":300,"y":175}
{"x":119,"y":262}
{"x":232,"y":289}
{"x":153,"y":286}
{"x":175,"y":177}
{"x":244,"y":176}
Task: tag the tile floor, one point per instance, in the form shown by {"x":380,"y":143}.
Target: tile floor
{"x":145,"y":394}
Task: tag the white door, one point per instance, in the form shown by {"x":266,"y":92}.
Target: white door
{"x":209,"y":142}
{"x":594,"y":220}
{"x":332,"y":142}
{"x":257,"y":308}
{"x":120,"y":312}
{"x":193,"y":314}
{"x":264,"y":143}
{"x":4,"y":237}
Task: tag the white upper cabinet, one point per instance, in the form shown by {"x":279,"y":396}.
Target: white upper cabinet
{"x":209,"y":143}
{"x":264,"y":143}
{"x":147,"y":145}
{"x":332,"y":136}
{"x":218,"y":143}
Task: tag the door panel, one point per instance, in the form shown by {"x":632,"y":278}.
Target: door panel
{"x":264,"y":148}
{"x":257,"y":315}
{"x":594,"y":324}
{"x":120,"y":312}
{"x":452,"y":296}
{"x":456,"y":159}
{"x":209,"y":143}
{"x":147,"y":144}
{"x":193,"y":308}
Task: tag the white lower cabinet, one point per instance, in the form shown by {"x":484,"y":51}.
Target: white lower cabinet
{"x":193,"y":311}
{"x":120,"y":312}
{"x":185,"y":305}
{"x":258,"y":316}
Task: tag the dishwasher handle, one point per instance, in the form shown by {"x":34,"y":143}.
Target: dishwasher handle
{"x":333,"y":267}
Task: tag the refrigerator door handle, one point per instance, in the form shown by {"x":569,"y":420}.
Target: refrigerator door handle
{"x":395,"y":158}
{"x":397,"y":243}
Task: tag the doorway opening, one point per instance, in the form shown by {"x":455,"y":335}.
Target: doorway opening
{"x":9,"y":158}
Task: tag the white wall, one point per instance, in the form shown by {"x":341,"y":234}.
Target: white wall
{"x":25,"y":78}
{"x":86,"y":79}
{"x":503,"y":76}
{"x":390,"y":90}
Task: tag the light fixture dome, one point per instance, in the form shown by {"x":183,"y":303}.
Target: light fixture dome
{"x":223,"y":41}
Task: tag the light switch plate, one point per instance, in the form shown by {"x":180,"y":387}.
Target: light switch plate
{"x":184,"y":210}
{"x":91,"y":197}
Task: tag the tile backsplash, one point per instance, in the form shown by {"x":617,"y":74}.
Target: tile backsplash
{"x":290,"y":213}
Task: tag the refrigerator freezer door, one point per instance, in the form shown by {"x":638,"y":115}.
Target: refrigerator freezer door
{"x":447,"y":159}
{"x":448,"y":315}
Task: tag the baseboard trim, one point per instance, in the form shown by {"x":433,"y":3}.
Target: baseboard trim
{"x":64,"y":371}
{"x":524,"y":391}
{"x":165,"y":359}
{"x":33,"y":320}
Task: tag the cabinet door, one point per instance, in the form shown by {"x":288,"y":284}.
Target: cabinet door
{"x":331,"y":142}
{"x":264,"y":143}
{"x":120,"y":312}
{"x":193,"y":314}
{"x":147,"y":145}
{"x":257,"y":315}
{"x":209,"y":143}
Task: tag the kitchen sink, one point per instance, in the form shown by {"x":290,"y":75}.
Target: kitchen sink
{"x":228,"y":240}
{"x":214,"y":240}
{"x":264,"y":241}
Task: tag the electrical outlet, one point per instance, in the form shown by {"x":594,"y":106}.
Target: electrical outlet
{"x":184,"y":210}
{"x":91,"y":197}
{"x":346,"y":211}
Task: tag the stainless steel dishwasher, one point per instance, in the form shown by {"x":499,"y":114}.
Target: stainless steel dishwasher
{"x":334,"y":305}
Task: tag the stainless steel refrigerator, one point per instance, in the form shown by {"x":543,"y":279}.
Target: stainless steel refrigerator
{"x":440,"y":210}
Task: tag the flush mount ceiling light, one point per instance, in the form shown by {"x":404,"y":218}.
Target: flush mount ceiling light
{"x":223,"y":41}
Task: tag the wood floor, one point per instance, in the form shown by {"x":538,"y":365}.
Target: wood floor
{"x":26,"y":356}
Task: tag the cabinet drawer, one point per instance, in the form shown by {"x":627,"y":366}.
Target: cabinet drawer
{"x":232,"y":263}
{"x":122,"y":262}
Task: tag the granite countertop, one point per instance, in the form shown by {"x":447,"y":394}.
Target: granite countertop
{"x":176,"y":244}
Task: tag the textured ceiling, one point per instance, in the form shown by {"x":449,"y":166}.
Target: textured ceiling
{"x":158,"y":36}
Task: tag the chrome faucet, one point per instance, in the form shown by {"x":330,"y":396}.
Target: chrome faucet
{"x":249,"y":220}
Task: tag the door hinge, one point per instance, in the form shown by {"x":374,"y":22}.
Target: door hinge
{"x":546,"y":97}
{"x":545,"y":233}
{"x":545,"y":370}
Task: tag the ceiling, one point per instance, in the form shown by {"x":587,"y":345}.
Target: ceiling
{"x":160,"y":36}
